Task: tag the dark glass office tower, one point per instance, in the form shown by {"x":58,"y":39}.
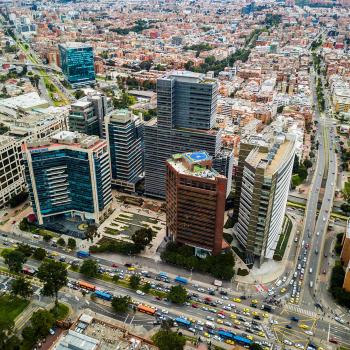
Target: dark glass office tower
{"x":186,"y":105}
{"x":77,"y":63}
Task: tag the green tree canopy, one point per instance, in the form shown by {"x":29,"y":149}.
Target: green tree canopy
{"x":167,"y":340}
{"x":177,"y":294}
{"x":26,"y":249}
{"x":134,"y":281}
{"x":14,"y":260}
{"x":54,"y":276}
{"x":39,"y":253}
{"x":89,"y":268}
{"x":146,"y":287}
{"x":72,"y":243}
{"x":21,"y":287}
{"x":61,"y":242}
{"x":120,"y":304}
{"x":142,"y":237}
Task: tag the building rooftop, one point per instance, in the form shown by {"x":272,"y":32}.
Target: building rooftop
{"x":198,"y":164}
{"x":77,"y":341}
{"x":27,"y":101}
{"x":190,"y":77}
{"x":75,"y":45}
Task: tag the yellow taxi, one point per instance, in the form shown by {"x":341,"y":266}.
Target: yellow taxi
{"x":265,"y":315}
{"x":255,"y":301}
{"x":304,"y":326}
{"x":250,"y":337}
{"x":254,"y":313}
{"x":220,"y":321}
{"x":236,"y":322}
{"x":207,"y":335}
{"x":283,"y":290}
{"x":246,"y":309}
{"x":131,"y":268}
{"x":236,"y":300}
{"x":229,"y":341}
{"x":191,"y":320}
{"x":54,"y":254}
{"x":261,"y":334}
{"x":233,"y":316}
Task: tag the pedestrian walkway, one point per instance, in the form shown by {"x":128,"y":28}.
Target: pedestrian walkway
{"x":297,"y":309}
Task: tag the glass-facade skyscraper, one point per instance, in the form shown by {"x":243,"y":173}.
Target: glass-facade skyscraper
{"x":77,"y":63}
{"x":186,"y":107}
{"x":124,"y":133}
{"x":69,"y":175}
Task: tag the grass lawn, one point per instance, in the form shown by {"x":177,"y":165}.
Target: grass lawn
{"x":60,"y":312}
{"x":283,"y":240}
{"x":10,"y":308}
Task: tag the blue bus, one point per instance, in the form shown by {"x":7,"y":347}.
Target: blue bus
{"x":103,"y":295}
{"x":241,"y":340}
{"x":181,"y":280}
{"x":83,"y":254}
{"x":181,"y":321}
{"x":226,"y":335}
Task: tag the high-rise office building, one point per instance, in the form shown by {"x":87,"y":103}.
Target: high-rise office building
{"x":77,"y":63}
{"x":195,"y":202}
{"x":69,"y":175}
{"x":266,"y":175}
{"x":88,"y":113}
{"x":11,"y":170}
{"x":186,"y":107}
{"x":124,"y":133}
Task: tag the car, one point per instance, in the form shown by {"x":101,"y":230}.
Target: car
{"x":261,"y":334}
{"x":220,"y":321}
{"x":237,"y":322}
{"x":114,"y":265}
{"x":51,"y":331}
{"x":233,"y":316}
{"x":192,"y":330}
{"x":224,"y":297}
{"x":334,"y":341}
{"x":255,"y":301}
{"x":207,"y":335}
{"x":283,"y":290}
{"x":317,"y":233}
{"x":291,"y":282}
{"x":237,"y":300}
{"x":303,"y":326}
{"x":140,"y":292}
{"x":250,"y":337}
{"x":339,"y":320}
{"x":299,"y":346}
{"x":225,"y":307}
{"x":287,"y":342}
{"x":288,"y":326}
{"x":228,"y":323}
{"x":209,"y":318}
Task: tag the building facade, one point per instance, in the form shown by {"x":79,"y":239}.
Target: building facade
{"x":186,"y":108}
{"x":195,"y":202}
{"x":124,"y":133}
{"x":88,"y":113}
{"x":264,"y":191}
{"x":11,"y":170}
{"x":69,"y":175}
{"x":77,"y":63}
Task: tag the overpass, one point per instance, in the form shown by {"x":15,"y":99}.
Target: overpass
{"x":34,"y":65}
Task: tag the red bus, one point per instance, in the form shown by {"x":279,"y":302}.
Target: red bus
{"x":86,"y":285}
{"x":146,"y":309}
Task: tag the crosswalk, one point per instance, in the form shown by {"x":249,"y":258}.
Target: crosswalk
{"x":299,"y":310}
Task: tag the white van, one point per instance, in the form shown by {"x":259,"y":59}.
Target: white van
{"x":278,"y":283}
{"x":310,"y":270}
{"x":36,"y":236}
{"x":311,"y":284}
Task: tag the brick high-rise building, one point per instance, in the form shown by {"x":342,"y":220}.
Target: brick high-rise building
{"x":195,"y":202}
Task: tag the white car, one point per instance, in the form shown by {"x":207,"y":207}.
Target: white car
{"x":224,"y":297}
{"x":299,"y":346}
{"x":309,"y":332}
{"x":287,"y":342}
{"x":165,"y":311}
{"x":338,"y":319}
{"x":140,"y":292}
{"x":199,"y":322}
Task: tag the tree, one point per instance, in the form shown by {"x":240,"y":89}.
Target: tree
{"x":120,"y":304}
{"x":296,"y":165}
{"x":42,"y":321}
{"x":47,"y":237}
{"x":15,"y":260}
{"x":142,"y":237}
{"x":6,"y":328}
{"x":134,"y":281}
{"x":146,"y":287}
{"x":116,"y":278}
{"x":177,"y":294}
{"x":72,"y":243}
{"x":61,"y":242}
{"x":307,"y":163}
{"x":39,"y":254}
{"x":26,"y":249}
{"x":21,"y":287}
{"x":255,"y":346}
{"x":89,"y":268}
{"x":79,"y":94}
{"x":91,"y":232}
{"x":167,"y":340}
{"x":54,"y":276}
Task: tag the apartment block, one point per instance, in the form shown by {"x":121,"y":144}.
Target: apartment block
{"x":195,"y":202}
{"x":69,"y":175}
{"x":264,"y":186}
{"x":124,"y":132}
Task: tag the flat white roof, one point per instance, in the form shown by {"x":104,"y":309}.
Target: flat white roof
{"x":30,"y":100}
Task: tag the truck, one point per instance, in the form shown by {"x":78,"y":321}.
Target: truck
{"x":83,"y":254}
{"x":181,"y":280}
{"x":266,"y":307}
